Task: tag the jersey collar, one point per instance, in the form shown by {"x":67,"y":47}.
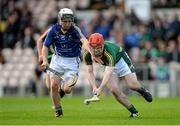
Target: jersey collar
{"x":63,"y":31}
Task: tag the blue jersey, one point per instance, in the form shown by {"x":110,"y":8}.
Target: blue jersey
{"x":67,"y":44}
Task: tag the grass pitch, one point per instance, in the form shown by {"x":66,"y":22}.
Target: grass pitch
{"x":38,"y":111}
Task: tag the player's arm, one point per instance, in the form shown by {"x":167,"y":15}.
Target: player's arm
{"x":40,"y":45}
{"x":45,"y":57}
{"x":85,"y":44}
{"x":48,"y":41}
{"x":106,"y":78}
{"x":84,"y":41}
{"x":91,"y":77}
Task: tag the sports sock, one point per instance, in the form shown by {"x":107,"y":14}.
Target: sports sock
{"x":58,"y":111}
{"x":132,"y":109}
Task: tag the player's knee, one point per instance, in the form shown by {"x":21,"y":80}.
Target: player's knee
{"x":67,"y":90}
{"x":54,"y":85}
{"x":72,"y":81}
{"x":70,"y":84}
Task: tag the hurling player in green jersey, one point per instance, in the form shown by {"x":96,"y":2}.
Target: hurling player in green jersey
{"x":117,"y":63}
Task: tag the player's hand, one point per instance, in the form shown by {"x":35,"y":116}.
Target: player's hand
{"x":94,"y":90}
{"x":98,"y":91}
{"x":44,"y":65}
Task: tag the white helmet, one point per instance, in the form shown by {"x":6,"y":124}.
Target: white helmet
{"x":66,"y":13}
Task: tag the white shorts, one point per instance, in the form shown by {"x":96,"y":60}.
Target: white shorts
{"x":44,"y":74}
{"x":67,"y":66}
{"x":121,"y":68}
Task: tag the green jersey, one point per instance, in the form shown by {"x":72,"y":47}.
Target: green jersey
{"x":112,"y":53}
{"x":50,"y":53}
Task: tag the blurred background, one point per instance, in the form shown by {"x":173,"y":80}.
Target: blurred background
{"x":149,"y":30}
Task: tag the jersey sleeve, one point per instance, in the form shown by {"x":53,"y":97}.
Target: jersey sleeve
{"x":78,"y":32}
{"x":48,"y":41}
{"x":87,"y":58}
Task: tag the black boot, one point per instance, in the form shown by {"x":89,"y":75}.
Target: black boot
{"x":145,"y":93}
{"x":58,"y":112}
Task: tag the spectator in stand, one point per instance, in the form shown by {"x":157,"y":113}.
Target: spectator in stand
{"x":162,"y":72}
{"x":120,"y":38}
{"x":131,"y":39}
{"x":149,"y":53}
{"x":174,"y":28}
{"x":25,"y":18}
{"x":162,"y":49}
{"x":104,"y":28}
{"x":149,"y":56}
{"x":144,"y":35}
{"x":157,"y":29}
{"x":11,"y":32}
{"x":172,"y":52}
{"x":102,"y":24}
{"x":173,"y":59}
{"x":133,"y":18}
{"x":28,"y":40}
{"x":96,"y":21}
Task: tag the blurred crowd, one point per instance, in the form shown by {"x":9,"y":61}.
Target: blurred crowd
{"x":155,"y":43}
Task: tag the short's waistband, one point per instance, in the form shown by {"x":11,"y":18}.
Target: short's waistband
{"x":65,"y":57}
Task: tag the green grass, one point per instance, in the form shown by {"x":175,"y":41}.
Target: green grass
{"x":38,"y":111}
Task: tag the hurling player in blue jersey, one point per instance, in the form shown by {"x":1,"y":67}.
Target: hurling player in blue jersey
{"x":68,"y":41}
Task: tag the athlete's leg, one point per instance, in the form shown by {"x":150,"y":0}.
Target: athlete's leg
{"x":55,"y":81}
{"x":48,"y":85}
{"x":68,"y":68}
{"x":120,"y":96}
{"x":133,"y":83}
